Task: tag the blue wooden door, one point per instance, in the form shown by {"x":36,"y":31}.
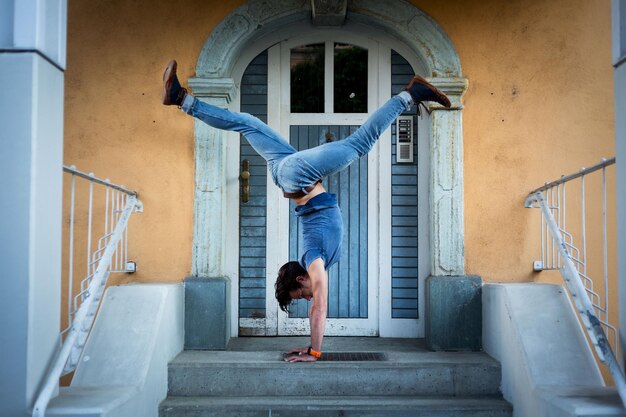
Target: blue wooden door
{"x":347,"y":280}
{"x":354,"y":304}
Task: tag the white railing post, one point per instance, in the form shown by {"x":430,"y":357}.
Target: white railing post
{"x":71,"y":254}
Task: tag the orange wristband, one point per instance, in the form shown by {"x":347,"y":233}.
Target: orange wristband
{"x":313,"y":352}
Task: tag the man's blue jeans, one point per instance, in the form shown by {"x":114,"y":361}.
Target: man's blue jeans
{"x":293,"y":170}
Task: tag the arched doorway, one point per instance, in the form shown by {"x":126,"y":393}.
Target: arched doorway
{"x":379,"y":29}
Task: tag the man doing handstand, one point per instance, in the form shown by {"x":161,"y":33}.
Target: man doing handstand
{"x":299,"y":175}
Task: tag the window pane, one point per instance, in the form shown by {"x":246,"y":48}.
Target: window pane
{"x":307,"y":79}
{"x":350,"y":79}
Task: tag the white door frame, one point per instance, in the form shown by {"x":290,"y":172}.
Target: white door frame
{"x":334,"y":326}
{"x":379,"y":181}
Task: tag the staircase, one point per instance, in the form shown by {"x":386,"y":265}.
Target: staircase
{"x":250,"y":379}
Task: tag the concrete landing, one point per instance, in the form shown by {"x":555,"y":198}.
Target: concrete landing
{"x":195,"y":358}
{"x":252,"y":379}
{"x":196,"y":373}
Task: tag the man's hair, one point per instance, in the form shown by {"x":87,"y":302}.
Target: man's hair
{"x":286,"y":281}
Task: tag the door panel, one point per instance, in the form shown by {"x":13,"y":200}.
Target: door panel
{"x":404,"y":211}
{"x":347,"y":280}
{"x":252,"y":214}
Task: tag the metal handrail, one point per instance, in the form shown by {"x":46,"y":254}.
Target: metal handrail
{"x":583,"y":171}
{"x":90,"y":177}
{"x":82,"y":308}
{"x":572,"y":264}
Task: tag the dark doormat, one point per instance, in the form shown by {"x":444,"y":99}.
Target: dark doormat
{"x":352,"y":357}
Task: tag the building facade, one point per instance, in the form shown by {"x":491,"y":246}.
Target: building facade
{"x":532,"y":88}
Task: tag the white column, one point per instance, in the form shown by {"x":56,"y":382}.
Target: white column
{"x":446,"y":188}
{"x":32,"y":40}
{"x":619,"y":60}
{"x":209,"y":231}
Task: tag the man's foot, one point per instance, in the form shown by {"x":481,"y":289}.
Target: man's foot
{"x":173,"y":93}
{"x":422,"y":90}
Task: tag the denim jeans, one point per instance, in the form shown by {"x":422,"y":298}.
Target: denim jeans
{"x":293,"y":170}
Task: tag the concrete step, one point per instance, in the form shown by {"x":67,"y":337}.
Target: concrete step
{"x":370,"y":406}
{"x":260,"y":374}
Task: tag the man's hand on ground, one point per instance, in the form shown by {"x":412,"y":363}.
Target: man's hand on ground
{"x":298,"y":350}
{"x":304,"y":357}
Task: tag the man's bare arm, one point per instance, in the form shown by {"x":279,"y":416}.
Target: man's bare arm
{"x":317,"y":315}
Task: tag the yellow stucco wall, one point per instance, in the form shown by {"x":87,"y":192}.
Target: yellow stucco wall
{"x":116,"y":127}
{"x":539,"y":105}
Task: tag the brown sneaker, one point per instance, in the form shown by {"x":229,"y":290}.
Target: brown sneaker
{"x":173,"y":93}
{"x":422,"y":90}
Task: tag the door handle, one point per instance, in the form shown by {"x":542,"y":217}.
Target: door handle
{"x":245,"y":180}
